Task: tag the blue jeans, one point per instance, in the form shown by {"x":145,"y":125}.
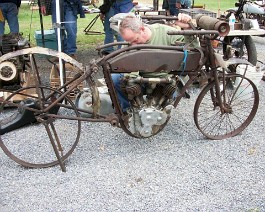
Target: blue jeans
{"x":70,"y":25}
{"x":10,"y":13}
{"x":110,"y":33}
{"x":175,"y":11}
{"x":186,"y":4}
{"x":124,"y":102}
{"x":172,"y":8}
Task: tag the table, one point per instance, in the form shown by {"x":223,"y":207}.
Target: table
{"x":242,"y":44}
{"x":246,"y":32}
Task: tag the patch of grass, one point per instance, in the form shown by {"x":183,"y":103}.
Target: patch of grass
{"x":29,"y":22}
{"x":214,"y":5}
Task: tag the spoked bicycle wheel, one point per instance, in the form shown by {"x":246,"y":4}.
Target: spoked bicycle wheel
{"x":30,"y":77}
{"x":26,"y":130}
{"x":240,"y":98}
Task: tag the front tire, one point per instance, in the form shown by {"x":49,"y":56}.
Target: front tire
{"x":240,"y":100}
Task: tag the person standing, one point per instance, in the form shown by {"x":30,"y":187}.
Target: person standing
{"x":108,"y":9}
{"x":71,"y":8}
{"x":175,"y":5}
{"x":9,"y":11}
{"x":183,"y":4}
{"x":165,"y":6}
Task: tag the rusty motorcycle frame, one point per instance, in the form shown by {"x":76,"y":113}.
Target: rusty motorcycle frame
{"x":224,"y":107}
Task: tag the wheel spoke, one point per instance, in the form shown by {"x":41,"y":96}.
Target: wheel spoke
{"x":36,"y":151}
{"x":240,"y":109}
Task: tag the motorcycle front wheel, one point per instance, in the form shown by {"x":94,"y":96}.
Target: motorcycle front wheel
{"x":240,"y":101}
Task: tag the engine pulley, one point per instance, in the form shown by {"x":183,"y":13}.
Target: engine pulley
{"x":8,"y":71}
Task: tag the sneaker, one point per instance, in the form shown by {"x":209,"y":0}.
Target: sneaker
{"x":104,"y":53}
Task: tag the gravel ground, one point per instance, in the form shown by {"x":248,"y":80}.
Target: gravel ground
{"x":177,"y":170}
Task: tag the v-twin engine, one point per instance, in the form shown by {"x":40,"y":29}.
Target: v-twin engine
{"x":148,"y":120}
{"x":151,"y":103}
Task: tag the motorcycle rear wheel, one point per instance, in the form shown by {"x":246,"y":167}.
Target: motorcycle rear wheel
{"x":29,"y":143}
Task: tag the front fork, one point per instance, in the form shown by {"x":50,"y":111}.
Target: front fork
{"x":217,"y":98}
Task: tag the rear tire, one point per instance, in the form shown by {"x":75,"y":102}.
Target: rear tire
{"x":29,"y":144}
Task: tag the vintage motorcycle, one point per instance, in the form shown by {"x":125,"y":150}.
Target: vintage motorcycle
{"x":241,"y":44}
{"x":47,"y":117}
{"x":254,"y":11}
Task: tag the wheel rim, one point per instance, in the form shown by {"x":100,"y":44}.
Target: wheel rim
{"x":37,"y":151}
{"x":241,"y":107}
{"x":29,"y":145}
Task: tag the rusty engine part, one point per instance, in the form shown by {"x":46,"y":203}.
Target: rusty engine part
{"x":11,"y":71}
{"x":151,"y":103}
{"x":210,"y":23}
{"x":13,"y":76}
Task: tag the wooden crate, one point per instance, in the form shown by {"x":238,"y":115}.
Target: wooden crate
{"x":55,"y":80}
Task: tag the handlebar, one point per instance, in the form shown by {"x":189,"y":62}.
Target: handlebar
{"x":193,"y":32}
{"x":241,"y":2}
{"x":159,"y":17}
{"x":203,"y":22}
{"x":240,"y":6}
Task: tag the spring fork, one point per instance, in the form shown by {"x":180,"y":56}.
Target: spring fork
{"x":215,"y":75}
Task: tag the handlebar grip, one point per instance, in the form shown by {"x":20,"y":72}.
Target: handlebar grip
{"x":209,"y":23}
